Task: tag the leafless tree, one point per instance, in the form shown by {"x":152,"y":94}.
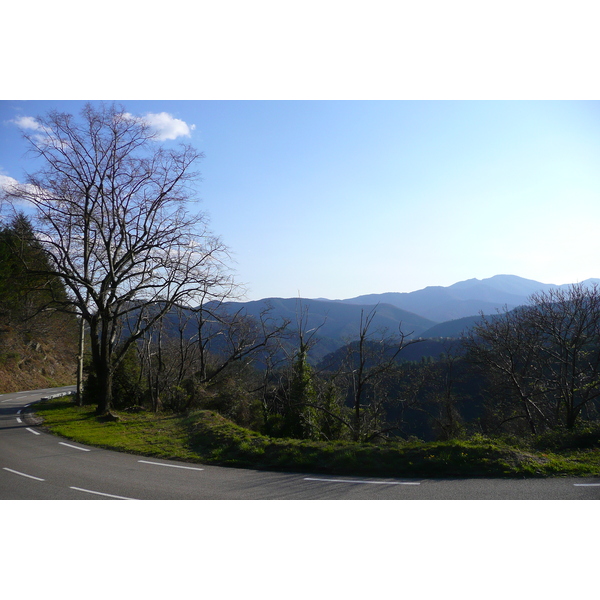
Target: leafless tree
{"x":192,"y":352}
{"x":546,"y":355}
{"x":569,"y":321}
{"x":112,"y":212}
{"x":225,"y":336}
{"x":371,"y":359}
{"x":506,"y":348}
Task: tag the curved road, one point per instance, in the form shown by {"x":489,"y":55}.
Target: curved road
{"x":40,"y":466}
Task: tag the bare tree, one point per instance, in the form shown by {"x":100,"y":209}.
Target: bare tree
{"x":192,"y":353}
{"x":506,"y":348}
{"x":545,"y":354}
{"x":226,"y":336}
{"x":569,"y":321}
{"x":111,"y":211}
{"x":370,"y":360}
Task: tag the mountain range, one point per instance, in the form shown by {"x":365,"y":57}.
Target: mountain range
{"x":432,"y":312}
{"x":465,"y":298}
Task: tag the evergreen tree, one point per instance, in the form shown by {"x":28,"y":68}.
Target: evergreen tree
{"x":25,"y":288}
{"x":303,"y":396}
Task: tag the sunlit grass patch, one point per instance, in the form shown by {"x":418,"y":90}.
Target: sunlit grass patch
{"x":207,"y":437}
{"x":140,"y":433}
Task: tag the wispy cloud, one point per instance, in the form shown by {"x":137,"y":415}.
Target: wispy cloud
{"x":40,"y":133}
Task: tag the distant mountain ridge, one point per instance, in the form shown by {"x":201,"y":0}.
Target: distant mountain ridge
{"x":464,"y":298}
{"x":434,"y":312}
{"x":337,"y":322}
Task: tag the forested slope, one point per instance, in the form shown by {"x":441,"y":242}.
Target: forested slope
{"x":38,"y":345}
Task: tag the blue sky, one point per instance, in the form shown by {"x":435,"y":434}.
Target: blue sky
{"x":341,"y":198}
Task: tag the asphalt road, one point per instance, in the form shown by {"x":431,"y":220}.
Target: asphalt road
{"x":39,"y":466}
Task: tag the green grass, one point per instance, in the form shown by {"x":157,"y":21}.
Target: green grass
{"x":142,"y":433}
{"x":206,"y":437}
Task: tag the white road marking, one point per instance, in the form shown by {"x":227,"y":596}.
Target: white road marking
{"x":19,"y":412}
{"x":33,"y":431}
{"x":165,"y":465}
{"x":358,"y":481}
{"x":23,"y":474}
{"x":101,"y":494}
{"x":19,"y":420}
{"x":587,"y":484}
{"x":76,"y":447}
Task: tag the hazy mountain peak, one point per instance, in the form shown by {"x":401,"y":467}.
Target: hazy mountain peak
{"x":464,"y":298}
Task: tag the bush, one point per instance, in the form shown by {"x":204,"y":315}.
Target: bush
{"x":586,"y":435}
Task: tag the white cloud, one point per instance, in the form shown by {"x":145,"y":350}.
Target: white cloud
{"x":8,"y":186}
{"x":165,"y":126}
{"x":7,"y":183}
{"x":168,"y":127}
{"x":15,"y":192}
{"x":28,"y":123}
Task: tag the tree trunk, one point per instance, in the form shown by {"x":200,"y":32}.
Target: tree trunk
{"x":572,"y":414}
{"x":357,"y":428}
{"x":79,"y":396}
{"x":529,"y":416}
{"x":104,"y":374}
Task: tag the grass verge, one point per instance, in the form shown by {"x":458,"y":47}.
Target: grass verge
{"x":206,"y":437}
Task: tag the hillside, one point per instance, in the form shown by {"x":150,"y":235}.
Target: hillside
{"x":33,"y":358}
{"x":427,"y":348}
{"x":37,"y":344}
{"x":451,"y":329}
{"x":337,"y":322}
